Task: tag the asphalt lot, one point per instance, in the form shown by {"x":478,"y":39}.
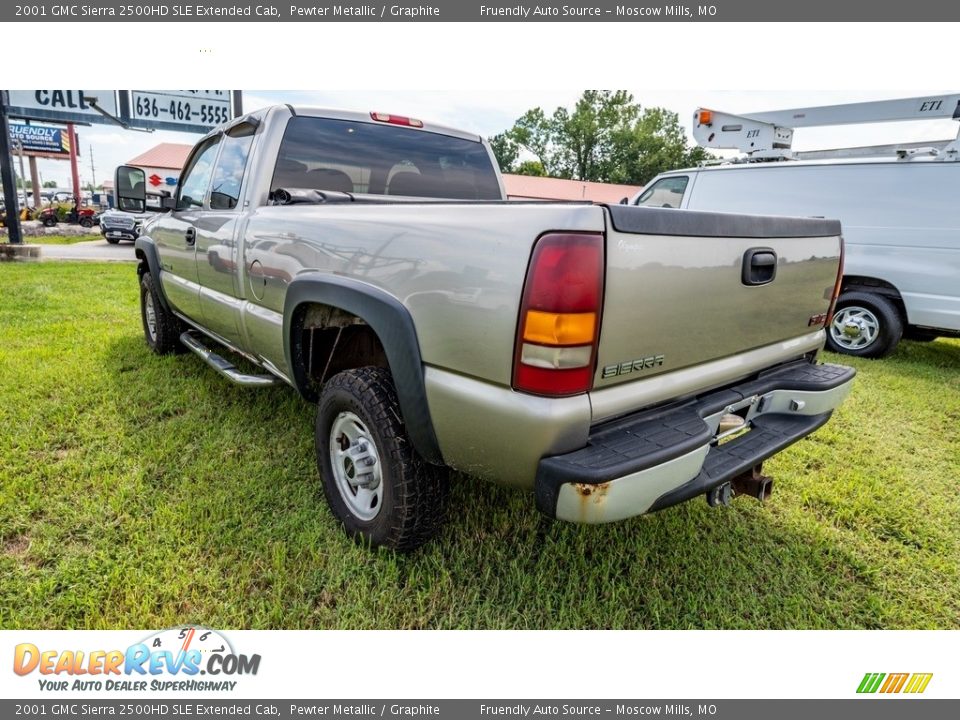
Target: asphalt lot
{"x":94,"y":250}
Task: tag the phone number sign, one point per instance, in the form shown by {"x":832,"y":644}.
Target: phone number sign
{"x":184,"y":110}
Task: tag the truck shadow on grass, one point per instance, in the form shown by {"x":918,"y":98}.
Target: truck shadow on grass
{"x":224,"y":523}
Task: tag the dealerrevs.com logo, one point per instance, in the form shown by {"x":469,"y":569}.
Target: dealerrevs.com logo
{"x":892,"y":683}
{"x":179,"y":659}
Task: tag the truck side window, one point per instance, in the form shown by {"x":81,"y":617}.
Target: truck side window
{"x":667,"y":192}
{"x":228,"y":175}
{"x":196,"y":179}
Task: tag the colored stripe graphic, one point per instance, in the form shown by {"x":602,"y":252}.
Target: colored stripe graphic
{"x":870,"y":682}
{"x":894,"y":683}
{"x":918,"y":682}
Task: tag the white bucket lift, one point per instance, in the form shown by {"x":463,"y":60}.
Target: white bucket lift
{"x":769,"y":135}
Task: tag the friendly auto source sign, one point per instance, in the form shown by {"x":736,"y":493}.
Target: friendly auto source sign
{"x":38,"y":138}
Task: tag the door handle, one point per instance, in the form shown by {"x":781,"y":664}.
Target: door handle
{"x":759,"y":266}
{"x":191,"y":236}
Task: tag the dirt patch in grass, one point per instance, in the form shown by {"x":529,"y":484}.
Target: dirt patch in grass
{"x":15,"y":546}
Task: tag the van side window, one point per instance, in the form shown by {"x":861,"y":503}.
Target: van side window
{"x":667,"y":192}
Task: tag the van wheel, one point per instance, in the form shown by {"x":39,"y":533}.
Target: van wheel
{"x":376,"y":484}
{"x":864,"y":325}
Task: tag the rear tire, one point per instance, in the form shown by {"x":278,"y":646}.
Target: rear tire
{"x":86,"y":223}
{"x":49,"y":222}
{"x":161,"y":328}
{"x":865,"y":325}
{"x":376,"y":484}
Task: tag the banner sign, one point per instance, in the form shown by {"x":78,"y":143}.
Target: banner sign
{"x":180,"y":706}
{"x":39,"y":139}
{"x":484,"y":11}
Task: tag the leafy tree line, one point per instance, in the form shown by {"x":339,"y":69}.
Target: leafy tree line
{"x":607,"y":137}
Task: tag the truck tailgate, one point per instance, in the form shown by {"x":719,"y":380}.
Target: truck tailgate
{"x":679,"y":288}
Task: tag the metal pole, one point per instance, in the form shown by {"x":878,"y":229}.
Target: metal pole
{"x":23,"y":174}
{"x":35,"y":182}
{"x":74,"y":169}
{"x":6,"y":174}
{"x":237,"y":103}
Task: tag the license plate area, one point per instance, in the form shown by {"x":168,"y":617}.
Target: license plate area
{"x":733,"y":421}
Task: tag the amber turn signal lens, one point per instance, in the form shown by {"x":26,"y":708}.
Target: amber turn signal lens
{"x":547,"y":328}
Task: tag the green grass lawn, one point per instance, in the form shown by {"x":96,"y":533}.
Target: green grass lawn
{"x":138,"y":491}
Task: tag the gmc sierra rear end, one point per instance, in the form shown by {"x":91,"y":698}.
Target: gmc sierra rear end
{"x":614,"y":360}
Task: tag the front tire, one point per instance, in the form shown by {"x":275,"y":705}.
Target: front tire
{"x":865,"y":325}
{"x":376,"y":484}
{"x":161,"y":328}
{"x":49,"y":222}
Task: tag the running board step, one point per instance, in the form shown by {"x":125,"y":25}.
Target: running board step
{"x":224,"y":366}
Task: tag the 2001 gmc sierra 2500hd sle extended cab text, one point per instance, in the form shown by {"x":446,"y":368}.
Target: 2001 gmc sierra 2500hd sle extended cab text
{"x":615,"y":360}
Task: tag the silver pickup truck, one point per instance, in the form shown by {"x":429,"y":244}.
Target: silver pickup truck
{"x":615,"y":360}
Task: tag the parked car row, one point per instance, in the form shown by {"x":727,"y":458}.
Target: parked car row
{"x":51,"y":215}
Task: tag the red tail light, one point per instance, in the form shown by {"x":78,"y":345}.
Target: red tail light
{"x":559,"y":325}
{"x":836,"y":288}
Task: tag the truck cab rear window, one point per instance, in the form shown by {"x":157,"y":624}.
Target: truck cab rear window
{"x":359,"y":157}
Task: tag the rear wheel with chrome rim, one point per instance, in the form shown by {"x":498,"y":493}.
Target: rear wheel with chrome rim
{"x":865,"y":325}
{"x":376,"y":484}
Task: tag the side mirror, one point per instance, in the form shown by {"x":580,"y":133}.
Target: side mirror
{"x":130,"y":189}
{"x":168,"y":203}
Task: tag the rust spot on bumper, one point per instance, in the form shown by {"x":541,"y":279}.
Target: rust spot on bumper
{"x":587,"y":491}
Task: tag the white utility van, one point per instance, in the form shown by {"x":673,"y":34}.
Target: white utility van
{"x":900,"y":217}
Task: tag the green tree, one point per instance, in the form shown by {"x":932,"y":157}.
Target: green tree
{"x":606,"y":137}
{"x":506,"y":150}
{"x":530,"y":167}
{"x":49,"y":183}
